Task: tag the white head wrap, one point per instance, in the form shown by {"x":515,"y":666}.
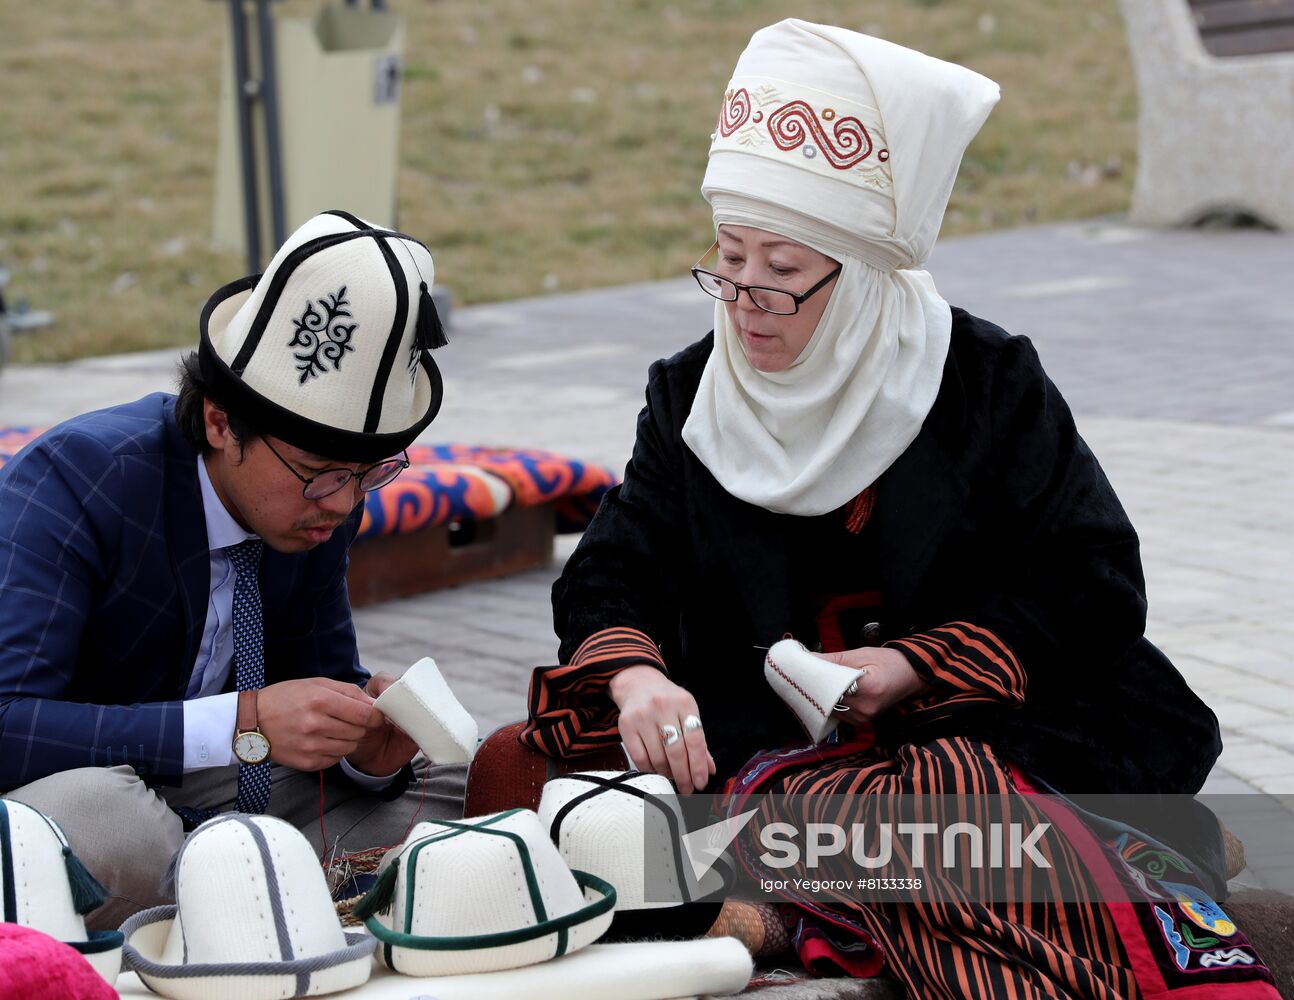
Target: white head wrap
{"x":849,"y":145}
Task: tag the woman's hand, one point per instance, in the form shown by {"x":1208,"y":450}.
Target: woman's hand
{"x":889,"y":680}
{"x":649,"y":701}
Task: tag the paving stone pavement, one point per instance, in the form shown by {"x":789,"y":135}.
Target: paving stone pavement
{"x":1175,"y":350}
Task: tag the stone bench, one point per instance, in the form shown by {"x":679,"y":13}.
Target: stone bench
{"x":1215,"y":134}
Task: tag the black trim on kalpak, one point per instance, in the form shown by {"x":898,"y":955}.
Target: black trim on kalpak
{"x":327,"y":442}
{"x":374,"y":415}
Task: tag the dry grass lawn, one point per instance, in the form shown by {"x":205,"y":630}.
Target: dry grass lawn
{"x":546,"y":145}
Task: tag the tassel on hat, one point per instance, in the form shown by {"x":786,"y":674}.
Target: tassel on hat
{"x":88,"y":892}
{"x":36,"y":859}
{"x":430,"y":333}
{"x":382,"y":894}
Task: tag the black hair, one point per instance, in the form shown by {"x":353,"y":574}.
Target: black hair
{"x":191,"y":392}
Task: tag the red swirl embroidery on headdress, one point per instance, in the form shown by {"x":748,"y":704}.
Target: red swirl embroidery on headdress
{"x":736,"y":109}
{"x":791,"y":124}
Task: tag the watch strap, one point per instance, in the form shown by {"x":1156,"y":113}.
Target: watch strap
{"x":248,"y":718}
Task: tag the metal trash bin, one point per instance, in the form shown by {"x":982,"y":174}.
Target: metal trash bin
{"x":338,"y":120}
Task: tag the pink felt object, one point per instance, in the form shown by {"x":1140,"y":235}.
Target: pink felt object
{"x":36,"y":967}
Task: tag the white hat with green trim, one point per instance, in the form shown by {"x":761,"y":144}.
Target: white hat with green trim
{"x":252,"y":920}
{"x":482,"y":895}
{"x":45,"y":887}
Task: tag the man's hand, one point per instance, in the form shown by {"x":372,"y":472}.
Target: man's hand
{"x":889,"y":680}
{"x":648,"y":700}
{"x":314,"y":722}
{"x":387,"y":748}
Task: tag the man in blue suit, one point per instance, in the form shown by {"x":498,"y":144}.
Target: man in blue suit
{"x":175,"y":632}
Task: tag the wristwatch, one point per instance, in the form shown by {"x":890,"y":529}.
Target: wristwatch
{"x":251,"y":746}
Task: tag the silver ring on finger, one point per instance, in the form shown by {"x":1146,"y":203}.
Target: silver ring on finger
{"x":669,"y":735}
{"x":692,"y":723}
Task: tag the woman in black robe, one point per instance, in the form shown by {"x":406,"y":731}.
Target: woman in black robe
{"x":897,"y":484}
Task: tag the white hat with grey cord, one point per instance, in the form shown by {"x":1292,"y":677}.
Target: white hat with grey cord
{"x":330,"y":348}
{"x":252,"y":920}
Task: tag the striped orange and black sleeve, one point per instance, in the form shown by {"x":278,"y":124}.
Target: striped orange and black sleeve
{"x":963,"y":664}
{"x":571,"y":711}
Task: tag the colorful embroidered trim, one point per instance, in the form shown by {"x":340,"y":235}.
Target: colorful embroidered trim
{"x":825,"y":133}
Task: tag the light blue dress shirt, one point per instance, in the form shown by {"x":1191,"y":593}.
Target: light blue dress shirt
{"x":209,"y":714}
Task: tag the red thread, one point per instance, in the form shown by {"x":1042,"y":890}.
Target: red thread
{"x":803,"y":694}
{"x":792,"y":124}
{"x":323,"y":837}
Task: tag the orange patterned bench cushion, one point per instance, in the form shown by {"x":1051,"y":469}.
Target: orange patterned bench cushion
{"x":454,"y":482}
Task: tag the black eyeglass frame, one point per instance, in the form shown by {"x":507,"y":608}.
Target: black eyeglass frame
{"x":799,"y":298}
{"x":342,"y":484}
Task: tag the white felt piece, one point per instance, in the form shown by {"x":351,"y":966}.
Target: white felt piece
{"x":643,"y":970}
{"x":422,"y":705}
{"x":810,"y":685}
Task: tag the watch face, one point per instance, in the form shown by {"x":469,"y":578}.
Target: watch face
{"x":251,"y":748}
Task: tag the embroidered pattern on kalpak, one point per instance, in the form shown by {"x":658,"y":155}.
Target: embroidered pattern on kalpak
{"x":735,"y":111}
{"x":791,"y":124}
{"x":763,"y":119}
{"x":320,"y":335}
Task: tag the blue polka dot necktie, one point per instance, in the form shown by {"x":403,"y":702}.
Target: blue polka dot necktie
{"x":249,"y":661}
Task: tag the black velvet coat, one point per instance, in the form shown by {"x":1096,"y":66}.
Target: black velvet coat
{"x":997,"y":514}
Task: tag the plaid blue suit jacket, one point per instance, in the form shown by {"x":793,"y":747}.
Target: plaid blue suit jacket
{"x":104,"y":584}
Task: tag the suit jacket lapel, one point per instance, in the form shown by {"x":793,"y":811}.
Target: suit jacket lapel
{"x":186,"y":535}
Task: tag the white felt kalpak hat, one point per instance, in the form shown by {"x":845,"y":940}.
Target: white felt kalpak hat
{"x":810,"y":685}
{"x":482,"y":895}
{"x":330,"y":348}
{"x":599,"y":821}
{"x":253,"y":919}
{"x":627,"y":828}
{"x":45,"y":887}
